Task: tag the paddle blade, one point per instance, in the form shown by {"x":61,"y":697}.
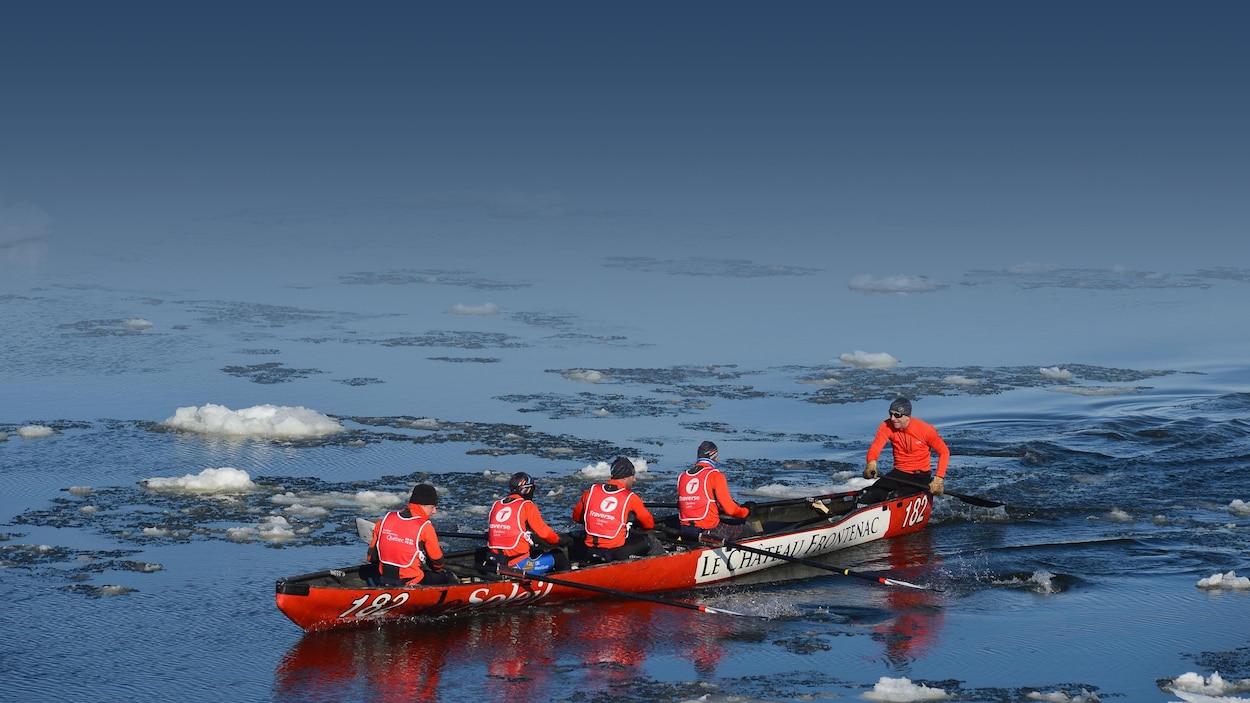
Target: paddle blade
{"x":364,"y":530}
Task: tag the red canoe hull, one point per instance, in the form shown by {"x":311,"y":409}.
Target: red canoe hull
{"x":337,"y":598}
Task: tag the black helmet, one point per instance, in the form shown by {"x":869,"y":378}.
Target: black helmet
{"x":706,"y":450}
{"x":622,"y":468}
{"x":522,"y":484}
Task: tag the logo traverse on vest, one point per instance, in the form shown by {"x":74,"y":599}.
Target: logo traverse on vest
{"x":503,"y":514}
{"x":608,"y":504}
{"x":692,"y":485}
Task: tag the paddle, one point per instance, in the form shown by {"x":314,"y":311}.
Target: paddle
{"x":716,"y":541}
{"x":971,"y":500}
{"x":513,"y":573}
{"x":784,"y":501}
{"x":364,"y":530}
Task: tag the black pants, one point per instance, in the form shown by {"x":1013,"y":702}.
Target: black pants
{"x":895,"y":484}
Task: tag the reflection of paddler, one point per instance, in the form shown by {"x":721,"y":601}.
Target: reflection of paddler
{"x":387,"y":664}
{"x":918,"y":615}
{"x":622,"y":637}
{"x":520,"y":651}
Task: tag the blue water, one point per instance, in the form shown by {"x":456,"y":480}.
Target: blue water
{"x":1119,"y":479}
{"x":432,"y":221}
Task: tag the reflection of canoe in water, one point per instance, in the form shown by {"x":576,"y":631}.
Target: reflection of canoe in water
{"x":793,"y":530}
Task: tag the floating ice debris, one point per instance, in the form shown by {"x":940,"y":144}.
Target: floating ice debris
{"x":1230,"y":581}
{"x":960,"y":381}
{"x":903,"y":690}
{"x":601,"y":412}
{"x":603,"y":469}
{"x":114,"y":590}
{"x":79,"y":490}
{"x":223,"y":480}
{"x":273,"y":528}
{"x":461,"y":309}
{"x":1240,"y":508}
{"x":901,"y":285}
{"x":1196,"y":689}
{"x":583,"y":375}
{"x":1056,"y":373}
{"x":371,"y":501}
{"x":866,"y":360}
{"x":136,"y":324}
{"x":425,"y":423}
{"x":33,"y":431}
{"x":256,"y":421}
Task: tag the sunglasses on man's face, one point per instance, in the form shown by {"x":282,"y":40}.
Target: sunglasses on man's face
{"x":896,"y":415}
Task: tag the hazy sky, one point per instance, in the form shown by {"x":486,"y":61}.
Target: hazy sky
{"x":1108,"y":133}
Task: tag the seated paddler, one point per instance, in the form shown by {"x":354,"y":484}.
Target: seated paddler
{"x":404,"y":549}
{"x":515,"y":523}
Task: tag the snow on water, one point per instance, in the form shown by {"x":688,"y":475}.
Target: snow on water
{"x":1194,"y":688}
{"x":902,"y":690}
{"x":1230,"y":581}
{"x":257,"y":421}
{"x":223,"y":480}
{"x":34,"y":431}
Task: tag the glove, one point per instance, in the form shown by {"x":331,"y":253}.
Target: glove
{"x":871,"y":471}
{"x":750,"y":506}
{"x":937,"y":486}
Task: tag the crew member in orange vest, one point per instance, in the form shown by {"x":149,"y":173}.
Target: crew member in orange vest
{"x":608,"y":510}
{"x":912,"y":442}
{"x":514,"y":523}
{"x":703,"y":494}
{"x":405,"y":547}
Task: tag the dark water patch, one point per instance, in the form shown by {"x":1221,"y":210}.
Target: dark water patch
{"x":609,"y":339}
{"x":1071,"y":692}
{"x":429,"y":277}
{"x":1225,"y":273}
{"x":455,"y":339}
{"x":361,"y":381}
{"x":838,"y":385}
{"x":56,"y":425}
{"x":1231,"y":665}
{"x":673,"y":377}
{"x":259,"y":352}
{"x":221,"y":312}
{"x":91,"y":591}
{"x":559,"y":406}
{"x":803,"y":644}
{"x":465,"y":359}
{"x":495,"y":439}
{"x":555,"y":321}
{"x":730,"y":268}
{"x":270,"y":372}
{"x":1115,"y":279}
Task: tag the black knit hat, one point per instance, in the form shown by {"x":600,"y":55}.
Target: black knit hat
{"x":424,"y":494}
{"x":622,"y":468}
{"x":707,"y":449}
{"x":901,"y":405}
